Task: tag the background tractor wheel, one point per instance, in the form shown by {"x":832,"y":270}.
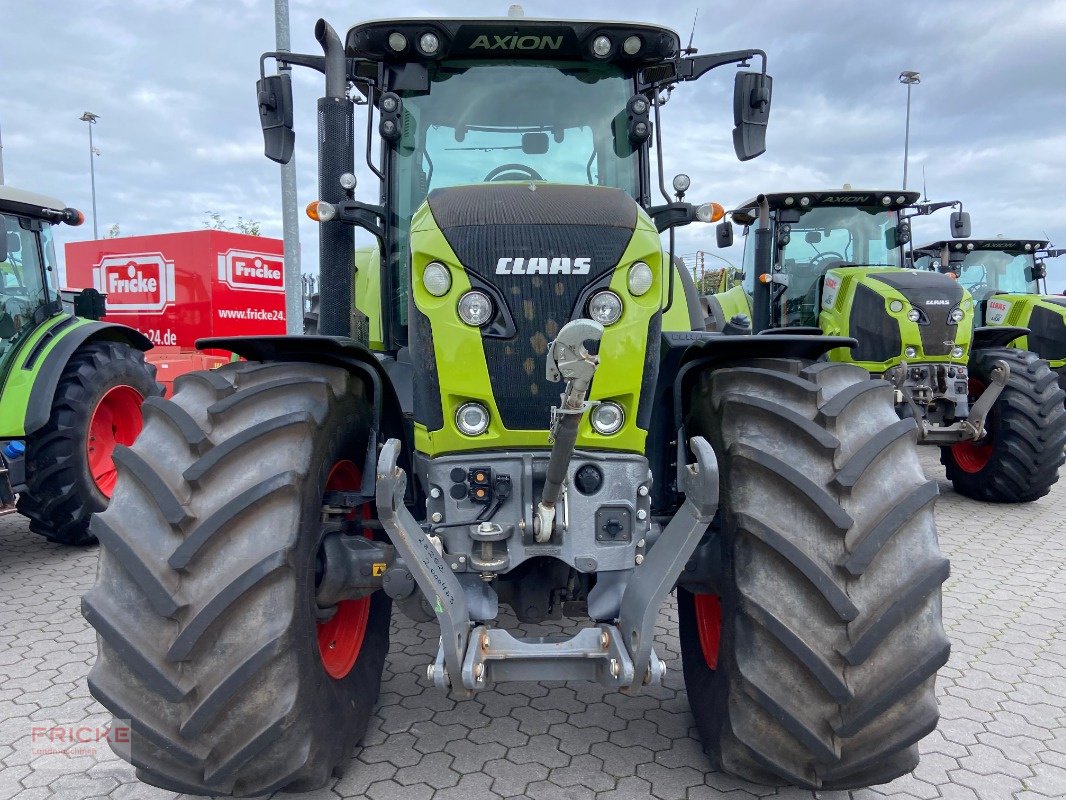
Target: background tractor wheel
{"x":69,"y":471}
{"x":204,"y":606}
{"x":814,"y":663}
{"x":1018,"y":461}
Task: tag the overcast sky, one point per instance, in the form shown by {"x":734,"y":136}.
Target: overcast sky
{"x":173,"y":83}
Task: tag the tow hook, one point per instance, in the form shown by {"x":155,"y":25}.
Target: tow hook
{"x":567,"y":360}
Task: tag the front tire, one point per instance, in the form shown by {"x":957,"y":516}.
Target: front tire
{"x":69,"y":470}
{"x":815,"y":663}
{"x":204,"y":605}
{"x":1018,"y":460}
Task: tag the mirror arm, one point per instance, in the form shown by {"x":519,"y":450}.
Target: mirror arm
{"x":672,"y":215}
{"x":925,"y":209}
{"x":689,"y":69}
{"x":317,"y":63}
{"x":369,"y":217}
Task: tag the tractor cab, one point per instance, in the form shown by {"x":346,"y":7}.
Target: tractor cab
{"x":1007,"y":279}
{"x":487,"y":115}
{"x":29,"y":279}
{"x":990,"y":267}
{"x":815,"y":232}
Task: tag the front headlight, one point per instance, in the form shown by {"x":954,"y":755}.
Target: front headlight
{"x":640,"y":279}
{"x":437,"y":279}
{"x":607,"y":418}
{"x":472,"y":419}
{"x":914,"y":315}
{"x":956,"y":315}
{"x":605,"y":307}
{"x":475,"y":308}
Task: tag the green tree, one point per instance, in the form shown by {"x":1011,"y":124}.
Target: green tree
{"x":217,"y":222}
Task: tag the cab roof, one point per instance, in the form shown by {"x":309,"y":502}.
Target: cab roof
{"x":896,"y":199}
{"x":20,"y":201}
{"x":509,"y":38}
{"x":959,"y":245}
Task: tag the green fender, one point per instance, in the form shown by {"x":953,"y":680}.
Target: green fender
{"x":29,"y":387}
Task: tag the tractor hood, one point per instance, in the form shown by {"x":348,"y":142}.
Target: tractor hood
{"x":935,"y":296}
{"x":540,"y":251}
{"x":876,"y":306}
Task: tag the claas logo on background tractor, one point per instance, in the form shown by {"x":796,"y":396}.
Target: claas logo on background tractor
{"x":135,"y":282}
{"x":242,"y":269}
{"x":996,"y":312}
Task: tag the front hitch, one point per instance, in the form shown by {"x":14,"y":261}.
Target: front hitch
{"x":972,"y":428}
{"x":567,"y":360}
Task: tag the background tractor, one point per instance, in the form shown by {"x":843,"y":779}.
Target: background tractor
{"x":1007,"y":279}
{"x":525,"y":350}
{"x":71,"y":387}
{"x":832,"y":261}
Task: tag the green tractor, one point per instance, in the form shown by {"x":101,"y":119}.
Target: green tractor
{"x":1008,"y":280}
{"x":832,"y":261}
{"x":578,"y":445}
{"x":71,"y":387}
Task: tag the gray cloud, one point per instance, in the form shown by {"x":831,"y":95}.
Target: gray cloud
{"x":173,"y":83}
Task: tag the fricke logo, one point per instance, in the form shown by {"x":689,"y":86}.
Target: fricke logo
{"x":242,"y":269}
{"x":135,"y":282}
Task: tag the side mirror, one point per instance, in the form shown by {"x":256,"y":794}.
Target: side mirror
{"x":724,"y":233}
{"x":960,"y":224}
{"x":1055,"y":253}
{"x":535,"y":143}
{"x":275,"y":116}
{"x":90,"y":304}
{"x":751,"y":113}
{"x":3,"y":239}
{"x":14,"y":244}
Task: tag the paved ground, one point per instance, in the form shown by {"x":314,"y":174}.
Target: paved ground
{"x":1003,"y":695}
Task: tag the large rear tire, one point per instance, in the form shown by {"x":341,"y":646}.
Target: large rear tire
{"x":1018,"y":460}
{"x":815,"y":665}
{"x":69,"y":470}
{"x":204,"y":605}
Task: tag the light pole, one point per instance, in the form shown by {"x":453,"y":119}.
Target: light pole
{"x":91,"y":118}
{"x":909,"y":78}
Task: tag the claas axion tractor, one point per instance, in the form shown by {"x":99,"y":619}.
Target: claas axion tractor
{"x":71,"y":386}
{"x":525,"y":352}
{"x":834,"y":261}
{"x":1007,"y":279}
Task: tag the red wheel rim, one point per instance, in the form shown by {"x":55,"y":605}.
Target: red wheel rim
{"x":709,"y":626}
{"x":115,"y":420}
{"x":341,"y":637}
{"x":972,"y":457}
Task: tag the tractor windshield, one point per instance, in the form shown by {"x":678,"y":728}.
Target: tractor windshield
{"x":985,"y":272}
{"x":27,"y":290}
{"x":514,"y":121}
{"x":826,"y":237}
